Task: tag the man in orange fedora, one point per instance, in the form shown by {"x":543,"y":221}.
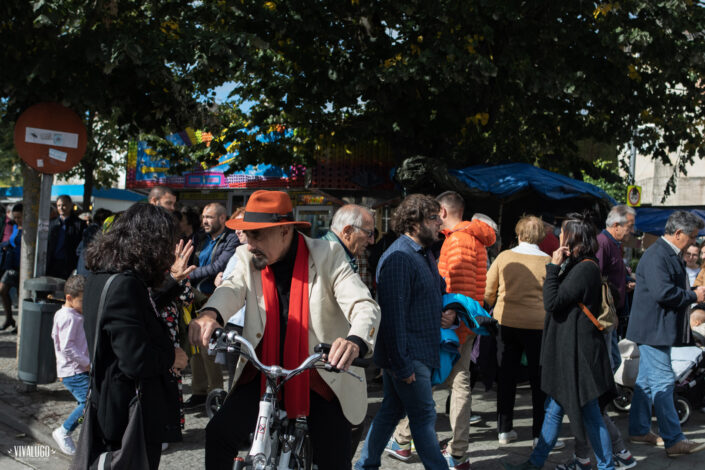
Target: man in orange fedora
{"x":297,"y":292}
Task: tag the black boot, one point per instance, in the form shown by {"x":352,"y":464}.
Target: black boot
{"x":8,"y":323}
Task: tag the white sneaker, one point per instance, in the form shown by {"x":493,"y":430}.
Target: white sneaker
{"x":64,"y":441}
{"x":507,"y":437}
{"x":165,"y":446}
{"x":560,"y":445}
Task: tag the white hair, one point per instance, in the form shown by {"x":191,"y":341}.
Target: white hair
{"x":349,"y":214}
{"x":486,"y":219}
{"x":619,"y":214}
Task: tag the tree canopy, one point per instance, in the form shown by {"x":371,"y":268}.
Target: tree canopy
{"x":127,"y":60}
{"x":466,"y":81}
{"x":471,"y":81}
{"x":125,"y":66}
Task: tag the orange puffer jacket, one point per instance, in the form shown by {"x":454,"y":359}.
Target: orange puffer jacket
{"x":463,"y":262}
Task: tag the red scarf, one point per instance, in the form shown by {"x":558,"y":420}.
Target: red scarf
{"x":296,"y":390}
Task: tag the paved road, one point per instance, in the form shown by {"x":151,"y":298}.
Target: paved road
{"x":485,"y":452}
{"x":38,"y":412}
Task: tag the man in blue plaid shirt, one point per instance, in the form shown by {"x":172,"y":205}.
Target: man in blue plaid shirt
{"x":409,"y":292}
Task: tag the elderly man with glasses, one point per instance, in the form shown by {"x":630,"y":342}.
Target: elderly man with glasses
{"x":659,"y":321}
{"x":353,"y":227}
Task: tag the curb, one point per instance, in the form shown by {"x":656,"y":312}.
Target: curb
{"x":31,"y":427}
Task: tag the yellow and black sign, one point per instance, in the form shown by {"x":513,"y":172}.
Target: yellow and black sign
{"x":634,"y":196}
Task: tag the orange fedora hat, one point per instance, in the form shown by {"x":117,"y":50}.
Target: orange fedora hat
{"x":266,"y":209}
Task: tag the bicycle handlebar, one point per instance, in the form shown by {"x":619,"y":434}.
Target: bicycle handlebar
{"x":357,"y":362}
{"x":226,"y":341}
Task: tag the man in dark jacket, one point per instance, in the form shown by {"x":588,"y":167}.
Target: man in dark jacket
{"x":212,"y":254}
{"x":65,"y":233}
{"x":410,"y":294}
{"x":215,"y":250}
{"x":658,"y":322}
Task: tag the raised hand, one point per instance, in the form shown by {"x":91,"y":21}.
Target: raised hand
{"x":180,"y":269}
{"x":559,"y":255}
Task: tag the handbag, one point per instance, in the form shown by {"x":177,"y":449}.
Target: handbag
{"x":607,"y":320}
{"x":92,"y":452}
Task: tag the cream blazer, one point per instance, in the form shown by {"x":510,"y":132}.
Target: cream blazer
{"x":339,"y":305}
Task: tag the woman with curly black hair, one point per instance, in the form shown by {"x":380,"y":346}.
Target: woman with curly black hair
{"x":576,"y":373}
{"x":133,"y":347}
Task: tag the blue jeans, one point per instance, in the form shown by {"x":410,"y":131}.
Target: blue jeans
{"x":595,"y":428}
{"x":654,"y":385}
{"x":416,"y":401}
{"x":78,"y":386}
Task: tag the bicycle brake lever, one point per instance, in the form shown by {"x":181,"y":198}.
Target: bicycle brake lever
{"x":329,"y":367}
{"x":353,"y":374}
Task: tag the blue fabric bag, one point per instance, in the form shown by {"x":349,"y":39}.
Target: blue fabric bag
{"x":469,"y":310}
{"x":449,"y":356}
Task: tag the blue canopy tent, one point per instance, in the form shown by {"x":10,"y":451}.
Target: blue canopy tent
{"x":505,"y":181}
{"x":653,"y":219}
{"x":506,"y":192}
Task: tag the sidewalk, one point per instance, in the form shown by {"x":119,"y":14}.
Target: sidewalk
{"x":34,"y":415}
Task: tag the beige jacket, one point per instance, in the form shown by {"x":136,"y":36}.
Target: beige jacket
{"x":515,"y":289}
{"x":339,"y":305}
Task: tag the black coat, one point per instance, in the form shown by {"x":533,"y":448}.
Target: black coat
{"x":64,"y":265}
{"x":575,"y":367}
{"x":88,"y":235}
{"x":134,"y":345}
{"x":661,"y":299}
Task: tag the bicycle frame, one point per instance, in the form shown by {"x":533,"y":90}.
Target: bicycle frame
{"x":273,"y":446}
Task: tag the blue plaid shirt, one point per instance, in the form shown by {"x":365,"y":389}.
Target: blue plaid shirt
{"x":409,"y":293}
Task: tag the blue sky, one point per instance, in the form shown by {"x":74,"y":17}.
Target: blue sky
{"x":222,"y":92}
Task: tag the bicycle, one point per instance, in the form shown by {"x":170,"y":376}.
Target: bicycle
{"x":278,"y":443}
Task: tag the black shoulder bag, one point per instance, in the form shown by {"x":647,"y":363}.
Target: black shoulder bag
{"x":91,"y":451}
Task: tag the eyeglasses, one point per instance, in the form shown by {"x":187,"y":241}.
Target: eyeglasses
{"x":369,"y":233}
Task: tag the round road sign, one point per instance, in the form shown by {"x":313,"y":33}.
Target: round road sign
{"x":634,"y":196}
{"x":50,"y":138}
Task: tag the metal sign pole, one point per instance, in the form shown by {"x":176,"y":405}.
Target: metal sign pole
{"x":40,"y":254}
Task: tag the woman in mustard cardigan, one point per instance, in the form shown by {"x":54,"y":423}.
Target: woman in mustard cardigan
{"x":515,"y":289}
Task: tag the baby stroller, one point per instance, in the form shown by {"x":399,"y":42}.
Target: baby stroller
{"x":688,"y":366}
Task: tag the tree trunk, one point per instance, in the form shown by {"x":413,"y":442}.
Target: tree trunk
{"x":30,"y":215}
